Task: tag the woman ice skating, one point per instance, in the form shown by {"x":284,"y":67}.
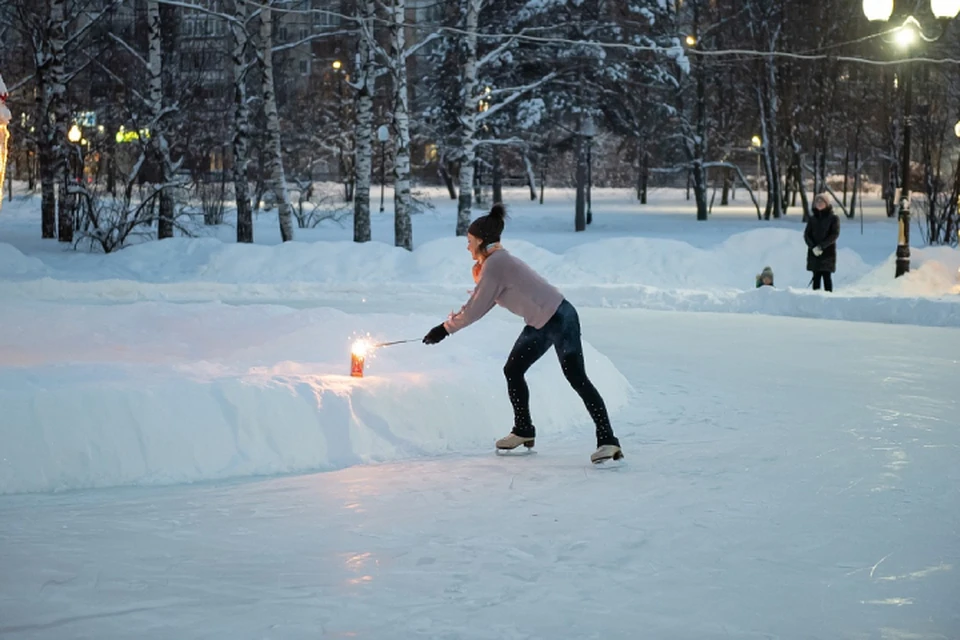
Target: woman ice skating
{"x":823,"y":229}
{"x":551,"y":321}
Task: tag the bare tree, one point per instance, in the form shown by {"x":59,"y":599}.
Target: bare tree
{"x":468,"y":115}
{"x":241,"y":122}
{"x":403,"y":229}
{"x":158,"y":112}
{"x":276,"y":180}
{"x":366,"y":80}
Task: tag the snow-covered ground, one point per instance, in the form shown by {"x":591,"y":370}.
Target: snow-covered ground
{"x":183,"y":453}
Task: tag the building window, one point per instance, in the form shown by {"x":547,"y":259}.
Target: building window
{"x":304,"y":67}
{"x":324,"y":16}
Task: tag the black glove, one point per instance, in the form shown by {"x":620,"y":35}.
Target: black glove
{"x":435,"y":335}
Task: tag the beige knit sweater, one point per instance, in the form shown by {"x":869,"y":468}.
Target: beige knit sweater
{"x":511,"y":283}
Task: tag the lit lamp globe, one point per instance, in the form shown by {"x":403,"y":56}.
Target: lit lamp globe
{"x":946,"y":9}
{"x":756,"y":141}
{"x":74,"y":135}
{"x":956,"y":128}
{"x":906,"y":35}
{"x":878,"y":10}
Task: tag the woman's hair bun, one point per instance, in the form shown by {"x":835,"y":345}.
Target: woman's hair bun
{"x":498,"y":211}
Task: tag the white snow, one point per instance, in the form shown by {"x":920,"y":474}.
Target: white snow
{"x":183,"y":453}
{"x":150,"y":393}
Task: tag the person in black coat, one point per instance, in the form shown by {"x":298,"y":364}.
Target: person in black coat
{"x":823,"y":229}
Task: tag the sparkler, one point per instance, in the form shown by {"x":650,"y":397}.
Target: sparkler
{"x":362,"y":349}
{"x":358,"y":355}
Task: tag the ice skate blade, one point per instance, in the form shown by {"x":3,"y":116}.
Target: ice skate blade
{"x":528,"y":451}
{"x":615,"y":457}
{"x":528,"y":445}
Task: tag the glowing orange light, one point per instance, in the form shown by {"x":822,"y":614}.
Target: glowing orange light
{"x":358,"y":355}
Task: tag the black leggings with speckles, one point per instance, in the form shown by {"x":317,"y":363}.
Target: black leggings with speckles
{"x":562,"y":332}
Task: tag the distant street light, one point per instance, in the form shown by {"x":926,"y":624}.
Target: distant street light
{"x":906,"y":35}
{"x":691,"y":41}
{"x":337,"y":64}
{"x":74,"y":135}
{"x":909,"y":33}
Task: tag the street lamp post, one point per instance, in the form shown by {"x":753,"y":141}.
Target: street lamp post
{"x":757,"y":143}
{"x":956,"y":130}
{"x":337,"y":66}
{"x":383,"y":134}
{"x":585,"y":132}
{"x":590,"y":135}
{"x":907,"y":34}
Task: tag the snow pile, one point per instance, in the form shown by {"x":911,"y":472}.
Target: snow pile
{"x":920,"y":311}
{"x":635,"y":260}
{"x":632,"y":271}
{"x":653,"y":262}
{"x":157,"y":393}
{"x":15,"y":265}
{"x":934,"y":271}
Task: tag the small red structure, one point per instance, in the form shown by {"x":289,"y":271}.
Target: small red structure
{"x":358,"y":354}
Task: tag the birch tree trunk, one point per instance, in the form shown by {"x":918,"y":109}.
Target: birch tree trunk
{"x":276,"y":180}
{"x":158,"y":137}
{"x":58,"y":81}
{"x":531,"y":177}
{"x":51,"y":114}
{"x":771,"y":139}
{"x":403,"y":230}
{"x":48,"y":143}
{"x":468,"y":117}
{"x":241,"y":124}
{"x":700,"y":139}
{"x":363,"y":166}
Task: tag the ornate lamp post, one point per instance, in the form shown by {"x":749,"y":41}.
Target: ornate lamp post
{"x":757,"y":143}
{"x":383,"y":134}
{"x":585,"y":133}
{"x":907,"y":35}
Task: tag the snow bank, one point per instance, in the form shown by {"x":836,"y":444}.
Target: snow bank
{"x":156,"y":393}
{"x":919,"y":311}
{"x":654,"y":262}
{"x":632,"y":271}
{"x":15,"y":265}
